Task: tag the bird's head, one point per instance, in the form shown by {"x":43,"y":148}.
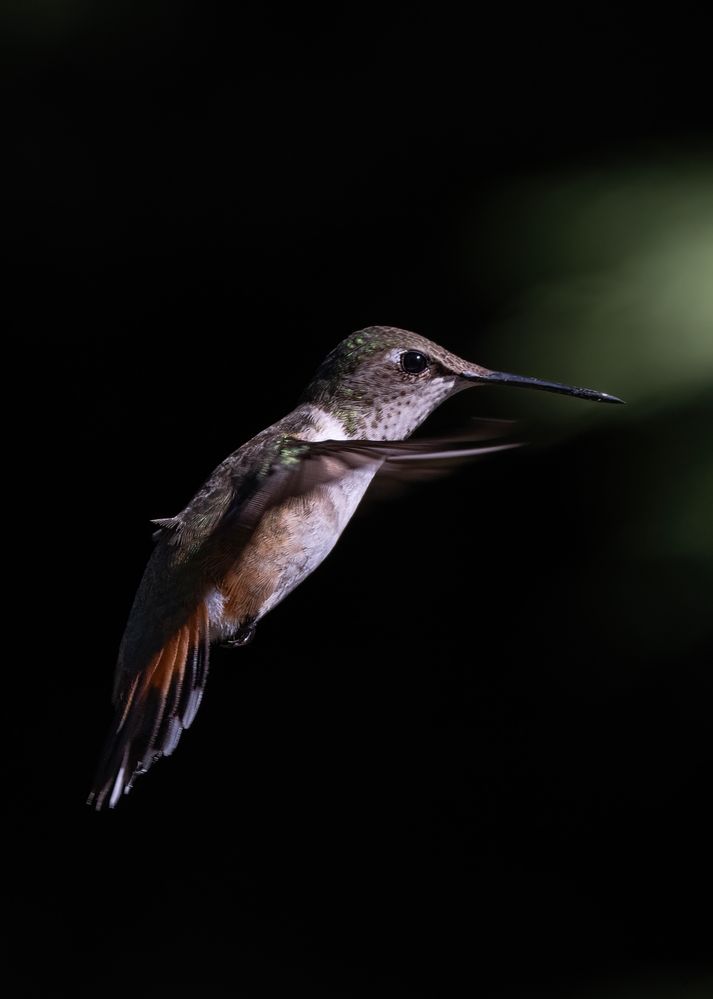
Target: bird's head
{"x":382,"y":382}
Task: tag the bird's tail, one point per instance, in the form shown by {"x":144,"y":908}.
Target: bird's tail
{"x":153,"y":707}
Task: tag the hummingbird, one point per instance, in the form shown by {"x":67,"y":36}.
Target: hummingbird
{"x":268,"y":515}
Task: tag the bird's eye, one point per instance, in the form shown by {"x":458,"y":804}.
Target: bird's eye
{"x":414,"y":362}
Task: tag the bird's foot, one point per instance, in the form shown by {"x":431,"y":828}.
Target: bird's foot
{"x":242,"y":636}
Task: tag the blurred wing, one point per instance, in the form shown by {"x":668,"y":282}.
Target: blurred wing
{"x":427,"y":457}
{"x":319,"y":462}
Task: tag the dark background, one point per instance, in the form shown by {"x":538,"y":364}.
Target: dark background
{"x":471,"y":755}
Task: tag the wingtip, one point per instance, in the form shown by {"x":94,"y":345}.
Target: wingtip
{"x":95,"y":801}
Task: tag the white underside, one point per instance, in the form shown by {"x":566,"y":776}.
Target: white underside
{"x":321,"y":531}
{"x":318,"y":530}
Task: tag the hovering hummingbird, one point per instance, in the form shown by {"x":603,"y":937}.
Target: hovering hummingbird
{"x":266,"y":518}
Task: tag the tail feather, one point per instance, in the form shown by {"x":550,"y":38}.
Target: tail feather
{"x":155,"y":708}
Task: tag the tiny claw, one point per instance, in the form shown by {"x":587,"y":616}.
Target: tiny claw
{"x":243,"y":636}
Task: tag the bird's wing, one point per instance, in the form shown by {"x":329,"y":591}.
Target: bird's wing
{"x":163,"y":661}
{"x":301,"y":466}
{"x":164,"y":656}
{"x":424,"y":457}
{"x":294,"y":467}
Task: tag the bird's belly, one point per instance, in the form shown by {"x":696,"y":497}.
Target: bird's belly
{"x":288,"y":544}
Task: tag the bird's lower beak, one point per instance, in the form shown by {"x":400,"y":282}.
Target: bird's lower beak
{"x":486,"y":377}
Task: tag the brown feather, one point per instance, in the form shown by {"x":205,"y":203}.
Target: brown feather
{"x":159,"y":703}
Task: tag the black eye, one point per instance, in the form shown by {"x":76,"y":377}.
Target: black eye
{"x":413,"y":362}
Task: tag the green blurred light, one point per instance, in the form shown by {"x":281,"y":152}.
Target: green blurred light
{"x":605,"y":279}
{"x":608,"y":278}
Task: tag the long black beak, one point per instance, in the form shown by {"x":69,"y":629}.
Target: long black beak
{"x":486,"y":377}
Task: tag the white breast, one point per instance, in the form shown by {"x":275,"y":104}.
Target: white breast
{"x":313,"y":535}
{"x":318,"y":530}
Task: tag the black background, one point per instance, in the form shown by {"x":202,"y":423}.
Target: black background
{"x":436,"y":771}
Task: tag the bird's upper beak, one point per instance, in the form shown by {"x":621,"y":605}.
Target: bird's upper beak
{"x":484,"y":376}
